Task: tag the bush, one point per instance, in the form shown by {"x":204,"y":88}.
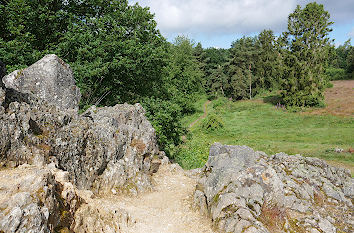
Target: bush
{"x":336,"y":74}
{"x":165,"y":116}
{"x":220,"y":102}
{"x":212,"y":123}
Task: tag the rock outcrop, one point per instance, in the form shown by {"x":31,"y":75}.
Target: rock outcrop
{"x":107,"y":149}
{"x":247,"y":191}
{"x":50,"y":79}
{"x":103,"y":151}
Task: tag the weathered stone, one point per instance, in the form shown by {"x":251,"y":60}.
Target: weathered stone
{"x":33,"y":200}
{"x":240,"y":226}
{"x":49,"y":79}
{"x":326,"y":226}
{"x":280,"y":193}
{"x":103,"y":149}
{"x":97,"y":216}
{"x":115,"y":147}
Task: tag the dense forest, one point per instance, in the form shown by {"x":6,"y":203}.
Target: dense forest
{"x":118,"y":55}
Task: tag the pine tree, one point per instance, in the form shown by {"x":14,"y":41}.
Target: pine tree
{"x":306,"y":43}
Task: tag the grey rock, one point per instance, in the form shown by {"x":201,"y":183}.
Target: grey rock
{"x":102,"y":149}
{"x":240,"y":226}
{"x":50,"y":79}
{"x":115,"y":147}
{"x":200,"y":202}
{"x":2,"y":98}
{"x":33,"y":200}
{"x":297,"y":192}
{"x":326,"y":226}
{"x":348,"y":189}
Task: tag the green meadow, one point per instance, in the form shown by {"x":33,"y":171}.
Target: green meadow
{"x":265,"y":127}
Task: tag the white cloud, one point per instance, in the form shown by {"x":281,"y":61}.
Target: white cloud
{"x":219,"y":16}
{"x":234,"y":16}
{"x":351,"y":33}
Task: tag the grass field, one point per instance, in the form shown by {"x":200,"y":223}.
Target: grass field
{"x":264,"y":127}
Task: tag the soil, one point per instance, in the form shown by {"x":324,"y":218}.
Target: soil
{"x":168,"y":208}
{"x":201,"y":117}
{"x":339,"y":99}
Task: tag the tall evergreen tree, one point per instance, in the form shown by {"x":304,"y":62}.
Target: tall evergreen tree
{"x":306,"y":41}
{"x":244,"y":53}
{"x":268,"y":65}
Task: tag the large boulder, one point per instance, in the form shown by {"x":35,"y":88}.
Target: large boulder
{"x":247,"y":191}
{"x":50,"y":79}
{"x":110,"y":149}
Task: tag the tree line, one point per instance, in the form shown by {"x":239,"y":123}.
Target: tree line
{"x":118,"y":55}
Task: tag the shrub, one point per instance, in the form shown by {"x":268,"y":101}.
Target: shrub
{"x":212,"y":123}
{"x":336,"y":74}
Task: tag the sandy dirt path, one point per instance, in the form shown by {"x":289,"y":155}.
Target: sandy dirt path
{"x":168,"y":209}
{"x":205,"y":109}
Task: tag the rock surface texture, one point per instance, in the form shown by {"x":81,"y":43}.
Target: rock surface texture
{"x":36,"y":199}
{"x":50,"y":79}
{"x":103,"y":151}
{"x":247,"y":191}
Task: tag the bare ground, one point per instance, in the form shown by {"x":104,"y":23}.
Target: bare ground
{"x":168,"y":209}
{"x":339,"y":99}
{"x":201,"y":117}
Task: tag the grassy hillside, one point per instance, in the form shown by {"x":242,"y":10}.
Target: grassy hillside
{"x":267,"y":128}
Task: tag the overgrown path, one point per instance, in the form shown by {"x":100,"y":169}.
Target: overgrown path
{"x":167,"y":209}
{"x":205,"y":110}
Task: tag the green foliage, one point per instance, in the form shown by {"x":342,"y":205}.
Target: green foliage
{"x":212,"y":122}
{"x":241,"y":67}
{"x":306,"y":43}
{"x":266,"y":128}
{"x":194,"y":153}
{"x":215,"y":78}
{"x":174,"y":96}
{"x":336,"y":73}
{"x":350,"y":63}
{"x":165,"y":117}
{"x":31,"y":29}
{"x":269,"y":62}
{"x":183,"y":74}
{"x":116,"y":57}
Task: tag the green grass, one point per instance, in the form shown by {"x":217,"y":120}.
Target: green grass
{"x":263,"y":127}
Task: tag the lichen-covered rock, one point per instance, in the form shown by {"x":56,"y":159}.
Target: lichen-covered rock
{"x":108,"y":148}
{"x":104,"y":149}
{"x":36,"y":199}
{"x":101,"y":216}
{"x":49,"y":79}
{"x":247,"y":191}
{"x":27,"y":129}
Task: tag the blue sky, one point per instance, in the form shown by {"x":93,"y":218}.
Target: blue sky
{"x":216,"y":23}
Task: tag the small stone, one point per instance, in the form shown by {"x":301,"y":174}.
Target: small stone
{"x":240,"y":226}
{"x":114,"y":191}
{"x":326,"y":226}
